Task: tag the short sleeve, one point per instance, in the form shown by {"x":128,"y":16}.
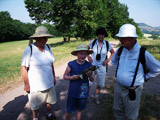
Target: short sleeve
{"x":90,"y":44}
{"x":26,"y":57}
{"x":110,"y":47}
{"x":50,"y":50}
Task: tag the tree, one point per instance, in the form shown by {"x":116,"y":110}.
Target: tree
{"x":154,"y":37}
{"x":92,"y":15}
{"x":14,"y":29}
{"x":60,"y":12}
{"x":80,"y":18}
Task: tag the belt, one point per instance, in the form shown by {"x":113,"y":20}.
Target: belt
{"x":126,"y":87}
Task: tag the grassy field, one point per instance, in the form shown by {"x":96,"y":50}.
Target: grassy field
{"x":10,"y":75}
{"x":11,"y":55}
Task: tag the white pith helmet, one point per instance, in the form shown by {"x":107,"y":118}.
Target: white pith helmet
{"x":127,"y":30}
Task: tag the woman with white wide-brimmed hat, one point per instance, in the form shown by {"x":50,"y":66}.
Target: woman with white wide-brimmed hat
{"x":38,"y":73}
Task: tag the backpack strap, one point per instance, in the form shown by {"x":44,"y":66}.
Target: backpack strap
{"x":107,"y":45}
{"x":48,"y":46}
{"x":119,"y":54}
{"x":31,"y":50}
{"x":93,"y":43}
{"x":135,"y":74}
{"x":140,"y":59}
{"x":143,"y":61}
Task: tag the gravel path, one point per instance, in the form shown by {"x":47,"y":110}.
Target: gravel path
{"x":14,"y":104}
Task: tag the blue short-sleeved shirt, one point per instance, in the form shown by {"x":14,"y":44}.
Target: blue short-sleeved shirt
{"x":78,"y":88}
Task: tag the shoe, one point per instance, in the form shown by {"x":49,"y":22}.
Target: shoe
{"x":52,"y":117}
{"x":97,"y":101}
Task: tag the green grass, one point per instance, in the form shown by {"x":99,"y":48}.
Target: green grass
{"x":10,"y":65}
{"x":11,"y":54}
{"x":153,"y":46}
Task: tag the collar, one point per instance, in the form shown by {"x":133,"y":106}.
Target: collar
{"x":97,"y":41}
{"x":135,"y":47}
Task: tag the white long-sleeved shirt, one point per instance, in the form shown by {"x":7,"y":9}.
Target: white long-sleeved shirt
{"x":127,"y":66}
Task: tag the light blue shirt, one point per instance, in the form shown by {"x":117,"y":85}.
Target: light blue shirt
{"x":127,"y":66}
{"x":103,"y":52}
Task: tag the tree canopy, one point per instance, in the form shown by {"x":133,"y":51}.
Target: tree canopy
{"x":80,"y":18}
{"x":13,"y":29}
{"x":16,"y":30}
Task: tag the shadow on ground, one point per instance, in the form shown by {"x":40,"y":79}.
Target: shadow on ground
{"x":13,"y":108}
{"x":19,"y":109}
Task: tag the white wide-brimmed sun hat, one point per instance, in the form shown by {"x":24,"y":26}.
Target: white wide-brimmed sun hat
{"x":127,"y":30}
{"x":41,"y":31}
{"x":81,"y":47}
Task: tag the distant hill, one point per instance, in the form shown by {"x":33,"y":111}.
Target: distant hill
{"x":149,"y":29}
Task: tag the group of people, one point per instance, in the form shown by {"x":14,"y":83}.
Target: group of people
{"x":40,"y":80}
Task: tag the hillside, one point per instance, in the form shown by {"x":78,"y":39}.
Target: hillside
{"x":149,"y":29}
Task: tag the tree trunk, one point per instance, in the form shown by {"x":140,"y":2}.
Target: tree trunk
{"x":69,"y":39}
{"x":64,"y":39}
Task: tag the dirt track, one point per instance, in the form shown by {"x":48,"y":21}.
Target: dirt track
{"x":14,"y":103}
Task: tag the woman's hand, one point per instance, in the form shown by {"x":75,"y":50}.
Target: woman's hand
{"x":105,"y":62}
{"x":90,"y":59}
{"x":27,"y":88}
{"x":25,"y":78}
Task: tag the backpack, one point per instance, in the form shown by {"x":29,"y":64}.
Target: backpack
{"x":140,"y":59}
{"x":107,"y":44}
{"x":31,"y":48}
{"x":31,"y":52}
{"x":107,"y":47}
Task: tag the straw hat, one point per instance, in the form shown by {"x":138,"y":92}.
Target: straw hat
{"x":81,"y":47}
{"x":41,"y":31}
{"x":127,"y":30}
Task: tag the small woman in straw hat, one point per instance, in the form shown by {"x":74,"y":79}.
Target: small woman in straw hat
{"x":78,"y":91}
{"x":38,"y":73}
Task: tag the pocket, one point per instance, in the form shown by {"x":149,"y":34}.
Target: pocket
{"x":37,"y":99}
{"x":132,"y":94}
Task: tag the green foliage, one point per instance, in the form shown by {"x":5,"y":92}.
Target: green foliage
{"x":154,"y":37}
{"x":12,"y":30}
{"x":80,"y":18}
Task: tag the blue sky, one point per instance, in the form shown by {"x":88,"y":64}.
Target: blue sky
{"x":146,"y":11}
{"x":17,"y":10}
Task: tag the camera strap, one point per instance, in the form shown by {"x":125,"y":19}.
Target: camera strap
{"x":100,"y":49}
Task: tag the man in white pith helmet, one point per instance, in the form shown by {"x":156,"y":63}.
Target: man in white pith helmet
{"x":134,"y":65}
